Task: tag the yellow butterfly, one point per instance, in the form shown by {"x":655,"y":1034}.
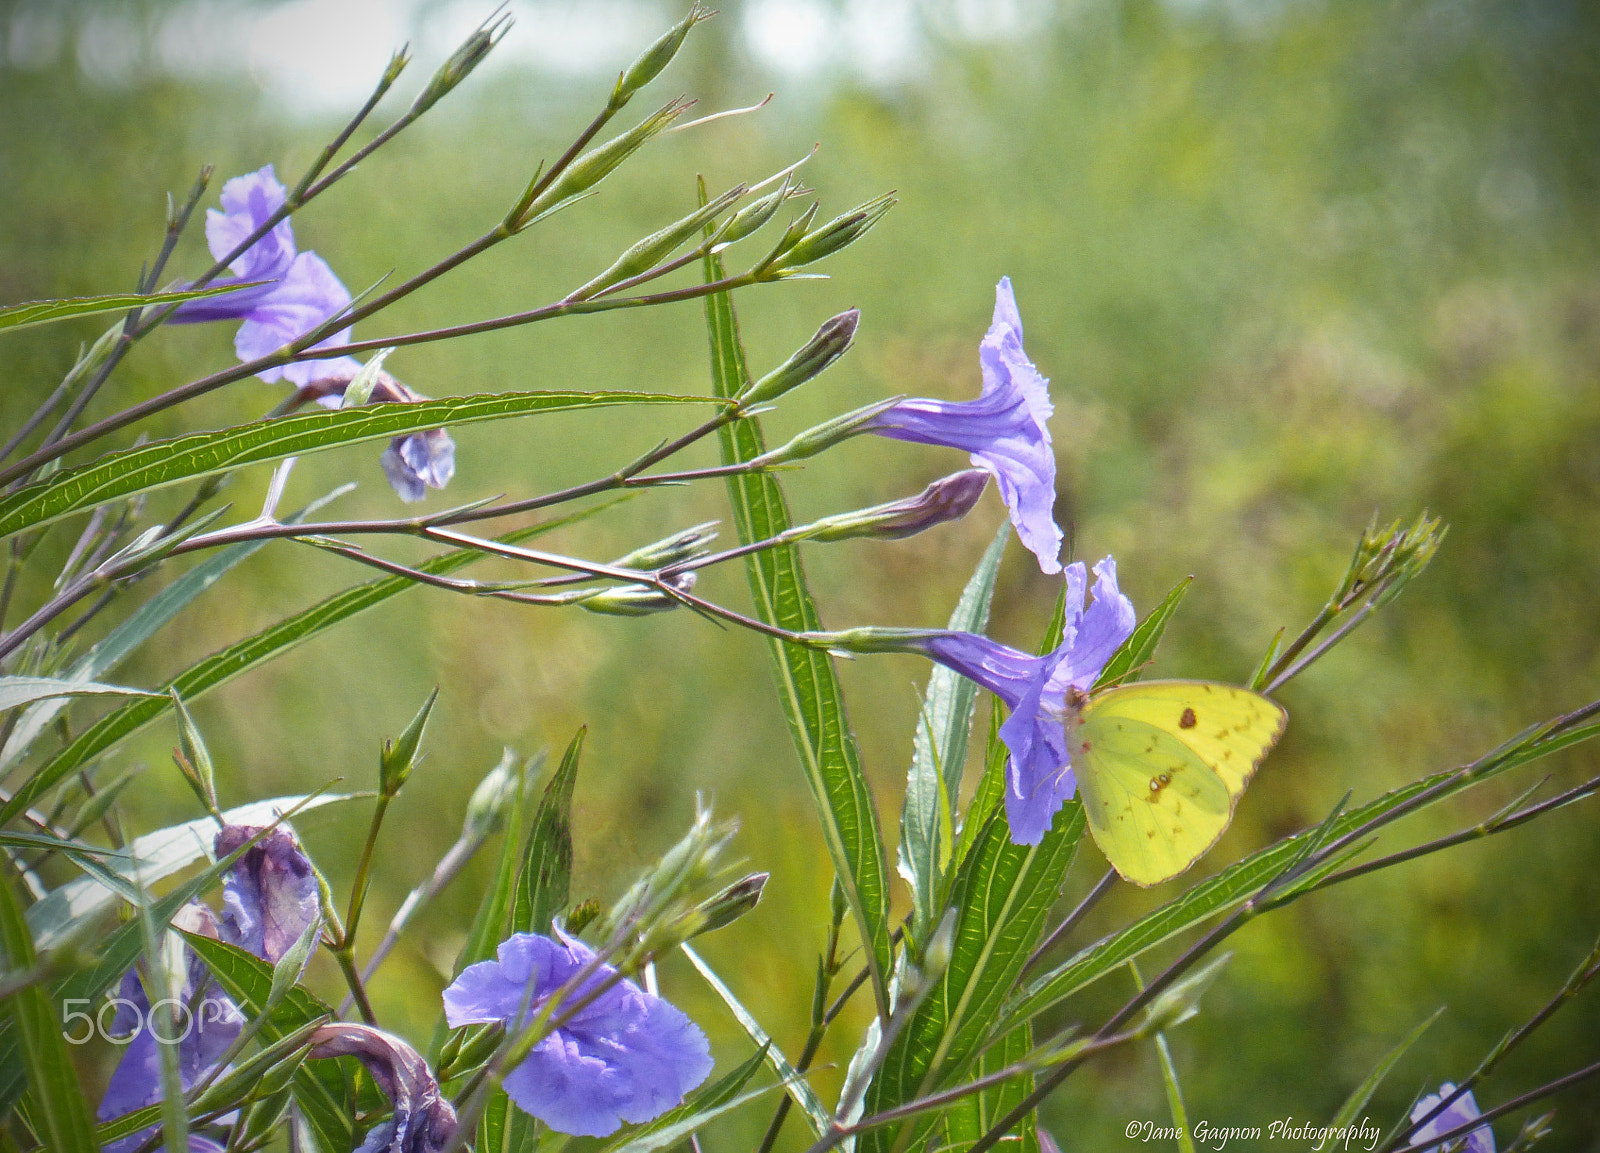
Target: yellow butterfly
{"x":1161,"y":764}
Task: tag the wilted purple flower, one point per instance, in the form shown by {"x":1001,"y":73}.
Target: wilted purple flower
{"x":625,"y":1056}
{"x":270,"y":894}
{"x":302,"y":291}
{"x":1035,"y":689}
{"x":269,"y":898}
{"x":207,"y":1024}
{"x":413,"y":463}
{"x":1460,"y":1111}
{"x":1006,"y":429}
{"x":423,"y":1121}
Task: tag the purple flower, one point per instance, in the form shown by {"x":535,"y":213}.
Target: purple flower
{"x":1035,"y":689}
{"x":423,"y":1121}
{"x":269,"y":898}
{"x":413,"y":463}
{"x":625,"y":1056}
{"x":1460,"y":1111}
{"x":210,"y":1023}
{"x":1006,"y":429}
{"x":270,"y":894}
{"x":302,"y":293}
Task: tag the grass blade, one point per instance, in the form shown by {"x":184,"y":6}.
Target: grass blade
{"x":816,"y":1114}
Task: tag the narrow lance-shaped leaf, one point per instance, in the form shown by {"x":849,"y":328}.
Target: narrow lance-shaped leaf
{"x":811,"y":1107}
{"x":243,"y":655}
{"x":59,"y":1110}
{"x":542,"y":886}
{"x":1002,"y":897}
{"x":939,"y":752}
{"x":154,"y":466}
{"x":807,"y":683}
{"x":17,"y":691}
{"x":33,"y":312}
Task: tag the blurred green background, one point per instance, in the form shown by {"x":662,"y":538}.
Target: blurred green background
{"x":1287,"y":263}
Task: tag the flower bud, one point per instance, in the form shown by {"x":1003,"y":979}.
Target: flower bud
{"x":591,"y":168}
{"x":949,"y":498}
{"x":828,"y":345}
{"x":670,"y":551}
{"x":644,"y":255}
{"x":1181,"y":1000}
{"x":638,"y":600}
{"x":486,"y":809}
{"x":733,"y":902}
{"x":656,"y":57}
{"x":827,"y":434}
{"x":460,"y":65}
{"x":752,"y":216}
{"x":837,"y":233}
{"x":791,"y":235}
{"x":941,"y":946}
{"x":399,"y":756}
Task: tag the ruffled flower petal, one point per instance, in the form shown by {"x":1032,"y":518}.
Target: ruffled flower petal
{"x":1006,"y":429}
{"x":627,"y":1056}
{"x":1039,"y":775}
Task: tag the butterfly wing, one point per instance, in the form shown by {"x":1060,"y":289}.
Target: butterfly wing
{"x":1160,"y":765}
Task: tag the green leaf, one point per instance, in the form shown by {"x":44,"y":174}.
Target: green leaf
{"x":1136,"y":652}
{"x":154,"y":466}
{"x":973,"y":1116}
{"x":241,"y":656}
{"x":140,"y":625}
{"x":33,"y":312}
{"x":808,"y":686}
{"x":542,"y":885}
{"x":1225,"y":890}
{"x":321,"y":1088}
{"x":1357,"y":1101}
{"x":58,"y":1109}
{"x":939,"y":753}
{"x":1002,"y":895}
{"x":56,"y":915}
{"x":16,"y":691}
{"x":811,"y":1106}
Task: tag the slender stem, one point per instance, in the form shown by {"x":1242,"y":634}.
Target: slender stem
{"x":1101,"y":887}
{"x":1315,"y":654}
{"x":216,"y":380}
{"x":347,"y":966}
{"x":358,"y":887}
